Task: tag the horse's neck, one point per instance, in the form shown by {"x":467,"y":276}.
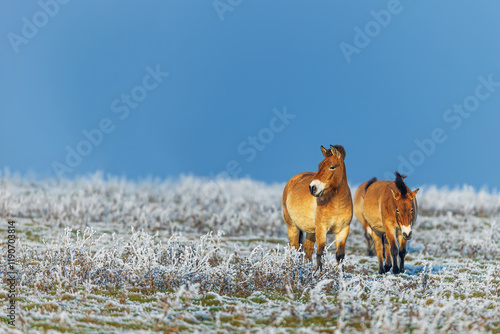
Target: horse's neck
{"x":337,"y":196}
{"x":389,"y":201}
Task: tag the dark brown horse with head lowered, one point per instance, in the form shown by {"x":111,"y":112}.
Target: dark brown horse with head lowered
{"x":387,"y":210}
{"x":319,"y":203}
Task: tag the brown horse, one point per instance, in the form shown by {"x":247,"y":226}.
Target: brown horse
{"x":387,"y":210}
{"x":319,"y":203}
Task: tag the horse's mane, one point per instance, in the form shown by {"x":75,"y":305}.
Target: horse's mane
{"x":372,"y":181}
{"x":400,"y":184}
{"x":341,"y":150}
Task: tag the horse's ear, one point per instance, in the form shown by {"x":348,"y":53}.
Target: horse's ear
{"x":338,"y":151}
{"x":326,"y":153}
{"x":396,"y":195}
{"x":414,"y":193}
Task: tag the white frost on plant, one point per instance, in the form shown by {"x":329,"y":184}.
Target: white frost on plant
{"x":104,"y":253}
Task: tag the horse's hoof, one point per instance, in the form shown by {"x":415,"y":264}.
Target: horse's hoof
{"x":381,"y":271}
{"x":396,"y":271}
{"x":387,"y":268}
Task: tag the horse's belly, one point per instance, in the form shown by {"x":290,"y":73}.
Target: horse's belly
{"x":338,"y":223}
{"x":374,"y":220}
{"x":303,"y":213}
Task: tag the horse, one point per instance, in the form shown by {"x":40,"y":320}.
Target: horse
{"x":387,"y":210}
{"x":319,"y":203}
{"x":358,"y":204}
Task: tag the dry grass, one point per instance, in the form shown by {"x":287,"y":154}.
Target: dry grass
{"x":107,"y":256}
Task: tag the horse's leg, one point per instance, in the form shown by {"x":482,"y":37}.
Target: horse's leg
{"x":321,"y":243}
{"x":293,"y":236}
{"x":369,"y":244}
{"x":293,"y":230}
{"x":393,"y":247}
{"x":379,"y":249}
{"x":402,"y":252}
{"x":368,"y":238}
{"x":341,"y":239}
{"x":309,"y":245}
{"x":387,"y":253}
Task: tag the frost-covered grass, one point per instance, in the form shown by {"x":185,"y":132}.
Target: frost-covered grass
{"x":107,"y":255}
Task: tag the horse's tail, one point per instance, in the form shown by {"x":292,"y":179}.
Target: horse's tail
{"x":372,"y":181}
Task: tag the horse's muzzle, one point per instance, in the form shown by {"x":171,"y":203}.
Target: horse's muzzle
{"x":407,"y":236}
{"x":313,"y":190}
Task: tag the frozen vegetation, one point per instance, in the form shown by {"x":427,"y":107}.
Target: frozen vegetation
{"x":102,"y":254}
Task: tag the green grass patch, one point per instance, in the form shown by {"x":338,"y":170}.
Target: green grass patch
{"x":46,"y":326}
{"x":136,"y":297}
{"x":478,"y":294}
{"x":207,"y":300}
{"x":29,"y":307}
{"x":258,"y":300}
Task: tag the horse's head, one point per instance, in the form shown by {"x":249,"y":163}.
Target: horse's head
{"x":405,"y":206}
{"x":330,"y":173}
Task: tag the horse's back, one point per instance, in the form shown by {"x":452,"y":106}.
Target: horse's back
{"x":301,"y":181}
{"x":377,"y":191}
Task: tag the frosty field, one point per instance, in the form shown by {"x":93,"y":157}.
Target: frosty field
{"x":106,"y":255}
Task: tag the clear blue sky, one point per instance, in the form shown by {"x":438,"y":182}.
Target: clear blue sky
{"x":229,"y":68}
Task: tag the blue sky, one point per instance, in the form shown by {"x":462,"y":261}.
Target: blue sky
{"x":191,"y":87}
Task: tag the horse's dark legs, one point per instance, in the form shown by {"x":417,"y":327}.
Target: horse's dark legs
{"x":387,"y":254}
{"x":341,"y":238}
{"x":393,"y":251}
{"x":402,"y":252}
{"x":321,"y":244}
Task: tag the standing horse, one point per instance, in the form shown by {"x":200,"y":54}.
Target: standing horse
{"x":387,"y":210}
{"x":318,"y":203}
